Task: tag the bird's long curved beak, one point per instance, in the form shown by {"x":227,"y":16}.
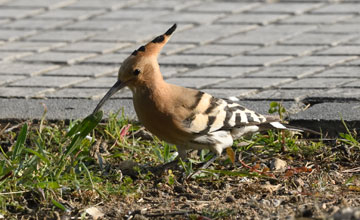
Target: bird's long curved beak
{"x":116,"y":87}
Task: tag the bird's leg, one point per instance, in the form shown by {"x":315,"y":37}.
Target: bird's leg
{"x":204,"y":166}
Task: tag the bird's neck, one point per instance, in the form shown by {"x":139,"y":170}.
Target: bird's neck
{"x":152,"y":85}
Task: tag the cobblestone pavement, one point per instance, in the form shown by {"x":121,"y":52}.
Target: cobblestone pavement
{"x":65,"y":54}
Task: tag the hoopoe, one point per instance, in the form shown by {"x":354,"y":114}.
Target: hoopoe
{"x":188,"y":118}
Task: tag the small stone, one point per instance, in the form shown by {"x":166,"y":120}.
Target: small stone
{"x":278,"y":165}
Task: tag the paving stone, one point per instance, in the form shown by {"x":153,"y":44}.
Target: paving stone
{"x":316,"y":19}
{"x":189,"y":60}
{"x":188,"y":17}
{"x":48,"y":81}
{"x":98,"y":83}
{"x":172,"y":48}
{"x":221,"y":72}
{"x":58,"y":57}
{"x":318,"y":39}
{"x":318,"y":83}
{"x":356,"y":41}
{"x":40,"y":3}
{"x":317,"y":60}
{"x":261,"y":19}
{"x":11,"y":35}
{"x":206,"y":33}
{"x":339,"y":29}
{"x":194,"y":82}
{"x":267,"y":35}
{"x":103,"y":4}
{"x":92,"y":47}
{"x":242,"y":60}
{"x":339,"y":72}
{"x":32,"y":24}
{"x":4,"y":20}
{"x":226,"y":93}
{"x":17,"y":13}
{"x":288,"y":8}
{"x":284,"y":94}
{"x":217,"y":49}
{"x":289,"y":50}
{"x":9,"y":78}
{"x":168,"y":71}
{"x":174,"y":5}
{"x":355,"y":62}
{"x":126,"y":14}
{"x":128,"y":33}
{"x":353,"y":20}
{"x":251,"y":83}
{"x":61,"y":109}
{"x":19,"y":92}
{"x":123,"y":94}
{"x":336,"y":94}
{"x":223,"y":7}
{"x":100,"y":25}
{"x":285,"y":72}
{"x":85,"y":70}
{"x":12,"y":55}
{"x":29,"y":46}
{"x":111,"y":59}
{"x":331,"y":112}
{"x":78,"y":14}
{"x":61,"y":36}
{"x":25,"y":68}
{"x":341,"y":51}
{"x":354,"y":84}
{"x":76,"y":93}
{"x":338,"y":9}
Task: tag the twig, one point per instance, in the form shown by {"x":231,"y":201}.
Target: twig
{"x":14,"y":127}
{"x":353,"y":170}
{"x":10,"y":193}
{"x":6,"y":126}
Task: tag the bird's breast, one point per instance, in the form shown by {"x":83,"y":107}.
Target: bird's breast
{"x":154,"y":114}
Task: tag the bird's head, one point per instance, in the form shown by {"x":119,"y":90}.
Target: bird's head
{"x":141,"y":66}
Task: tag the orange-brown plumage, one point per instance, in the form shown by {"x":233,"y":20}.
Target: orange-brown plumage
{"x":186,"y":117}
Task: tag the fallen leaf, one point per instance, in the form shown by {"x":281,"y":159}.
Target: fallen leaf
{"x":231,"y":154}
{"x":289,"y":173}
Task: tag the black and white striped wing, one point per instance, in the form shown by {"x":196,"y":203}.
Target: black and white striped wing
{"x":212,"y":114}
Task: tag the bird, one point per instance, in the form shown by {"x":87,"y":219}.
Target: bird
{"x":188,"y":118}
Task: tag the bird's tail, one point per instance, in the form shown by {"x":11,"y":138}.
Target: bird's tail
{"x":273,"y":122}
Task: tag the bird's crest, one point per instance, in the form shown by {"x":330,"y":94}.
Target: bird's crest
{"x":154,"y":47}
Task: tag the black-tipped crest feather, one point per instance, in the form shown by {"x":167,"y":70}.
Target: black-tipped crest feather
{"x":171,"y":30}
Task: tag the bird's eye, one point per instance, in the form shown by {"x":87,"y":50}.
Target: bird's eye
{"x":136,"y":72}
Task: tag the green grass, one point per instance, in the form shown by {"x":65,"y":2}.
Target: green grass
{"x":45,"y":165}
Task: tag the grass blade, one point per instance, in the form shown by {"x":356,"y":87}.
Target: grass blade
{"x":20,"y":142}
{"x":59,"y":205}
{"x":42,"y":157}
